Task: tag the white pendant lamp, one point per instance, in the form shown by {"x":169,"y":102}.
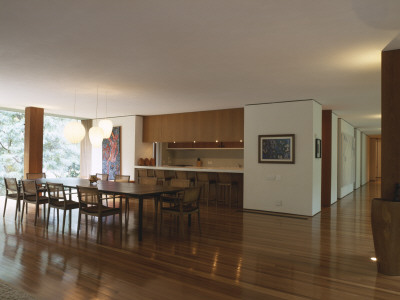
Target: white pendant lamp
{"x":106,"y":125}
{"x":96,"y":133}
{"x":74,"y":131}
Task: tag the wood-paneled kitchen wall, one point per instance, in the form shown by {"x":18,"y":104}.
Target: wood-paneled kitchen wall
{"x":205,"y":126}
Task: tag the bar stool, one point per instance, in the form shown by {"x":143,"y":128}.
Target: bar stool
{"x":224,"y":189}
{"x":205,"y":183}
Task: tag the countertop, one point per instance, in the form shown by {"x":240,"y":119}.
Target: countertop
{"x":195,"y":169}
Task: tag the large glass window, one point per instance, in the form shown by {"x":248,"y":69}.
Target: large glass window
{"x":60,"y":158}
{"x":12,"y":132}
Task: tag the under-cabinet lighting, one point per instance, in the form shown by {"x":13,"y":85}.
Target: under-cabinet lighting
{"x":373,"y":259}
{"x":216,"y":141}
{"x":241,"y":141}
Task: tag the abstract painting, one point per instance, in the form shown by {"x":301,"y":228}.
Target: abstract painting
{"x":276,"y":149}
{"x":111,"y":154}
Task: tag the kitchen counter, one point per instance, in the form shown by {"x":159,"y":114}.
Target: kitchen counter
{"x":194,"y":169}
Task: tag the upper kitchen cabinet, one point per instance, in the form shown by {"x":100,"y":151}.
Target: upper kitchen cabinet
{"x":210,"y":126}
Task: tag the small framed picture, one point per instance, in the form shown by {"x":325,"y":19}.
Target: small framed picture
{"x":276,"y":149}
{"x":318,"y":148}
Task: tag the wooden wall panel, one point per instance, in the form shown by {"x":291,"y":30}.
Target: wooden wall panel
{"x":33,"y":149}
{"x":390,"y":122}
{"x":204,"y":126}
{"x":326,"y":176}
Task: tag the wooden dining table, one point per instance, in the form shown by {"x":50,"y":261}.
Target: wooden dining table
{"x":127,"y":189}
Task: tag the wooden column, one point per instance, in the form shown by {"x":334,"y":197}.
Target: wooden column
{"x":390,"y":122}
{"x":33,"y":153}
{"x":326,"y":176}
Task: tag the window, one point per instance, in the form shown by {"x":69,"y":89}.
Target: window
{"x":60,"y":158}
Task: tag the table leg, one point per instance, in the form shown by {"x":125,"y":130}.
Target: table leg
{"x":140,"y":218}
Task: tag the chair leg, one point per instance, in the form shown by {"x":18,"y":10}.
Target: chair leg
{"x":79,"y":222}
{"x":48,"y":216}
{"x":23,"y":207}
{"x":70,"y":220}
{"x":16,"y":209}
{"x":189,"y":220}
{"x":36,"y":212}
{"x":99,"y":229}
{"x":64,"y":216}
{"x":120,"y":224}
{"x":5,"y":204}
{"x":181,"y":221}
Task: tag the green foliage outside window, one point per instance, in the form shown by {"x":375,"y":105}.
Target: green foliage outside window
{"x":60,"y":158}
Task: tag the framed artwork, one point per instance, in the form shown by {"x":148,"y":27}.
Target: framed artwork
{"x":111,"y":154}
{"x":276,"y":149}
{"x":318,"y":148}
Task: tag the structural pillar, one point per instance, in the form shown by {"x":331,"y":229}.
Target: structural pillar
{"x":33,"y":153}
{"x":390,"y":122}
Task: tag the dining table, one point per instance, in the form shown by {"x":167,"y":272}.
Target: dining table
{"x":127,"y":189}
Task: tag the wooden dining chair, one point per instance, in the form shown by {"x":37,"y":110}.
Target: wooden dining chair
{"x":12,"y":192}
{"x":102,"y":176}
{"x":58,"y":200}
{"x":187,"y":205}
{"x":90,"y":204}
{"x":172,"y":199}
{"x":32,"y":195}
{"x":148,"y":180}
{"x":120,"y":178}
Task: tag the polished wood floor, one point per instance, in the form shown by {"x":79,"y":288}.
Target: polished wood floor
{"x":237,"y":256}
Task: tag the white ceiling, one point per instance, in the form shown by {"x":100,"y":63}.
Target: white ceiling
{"x":166,"y":56}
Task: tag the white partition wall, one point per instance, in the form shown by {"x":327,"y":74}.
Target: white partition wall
{"x":346,"y":158}
{"x":334,"y":158}
{"x":287,"y":188}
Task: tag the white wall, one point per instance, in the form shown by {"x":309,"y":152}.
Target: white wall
{"x":346,"y":157}
{"x":334,"y":159}
{"x":131,"y":132}
{"x":288,"y":188}
{"x":364,"y":159}
{"x":357,"y":134}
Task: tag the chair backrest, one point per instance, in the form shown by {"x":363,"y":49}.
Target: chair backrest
{"x":102,"y":176}
{"x":55,"y":192}
{"x":148,"y":180}
{"x":160,"y":174}
{"x":88,"y":196}
{"x":191,"y":195}
{"x":202,"y":176}
{"x":181,"y":175}
{"x":122,"y":178}
{"x":142,"y":172}
{"x":29,"y":188}
{"x":35,"y":175}
{"x":181,"y":183}
{"x":224,"y":178}
{"x":11,"y":185}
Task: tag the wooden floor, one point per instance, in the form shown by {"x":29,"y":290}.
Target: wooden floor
{"x":237,"y":256}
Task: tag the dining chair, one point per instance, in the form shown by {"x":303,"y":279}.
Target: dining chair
{"x":33,"y":176}
{"x":148,"y":180}
{"x":90,"y":203}
{"x":58,"y":200}
{"x":172,"y":199}
{"x":187,"y":205}
{"x":120,"y":178}
{"x":12,"y":192}
{"x":32,"y":195}
{"x":102,"y":176}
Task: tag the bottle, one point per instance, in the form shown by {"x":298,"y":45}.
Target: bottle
{"x":198,"y":163}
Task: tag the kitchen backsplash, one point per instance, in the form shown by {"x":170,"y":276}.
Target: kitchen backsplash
{"x":210,"y":158}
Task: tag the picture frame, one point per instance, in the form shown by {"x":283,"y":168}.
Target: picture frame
{"x":111,"y":154}
{"x":276,"y":149}
{"x":318,"y":148}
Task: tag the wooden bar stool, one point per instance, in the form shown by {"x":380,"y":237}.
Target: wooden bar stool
{"x":225,"y":185}
{"x":205,"y":183}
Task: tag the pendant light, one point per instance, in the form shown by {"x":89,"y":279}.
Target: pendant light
{"x":106,"y":125}
{"x":96,"y":133}
{"x":74,"y":131}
